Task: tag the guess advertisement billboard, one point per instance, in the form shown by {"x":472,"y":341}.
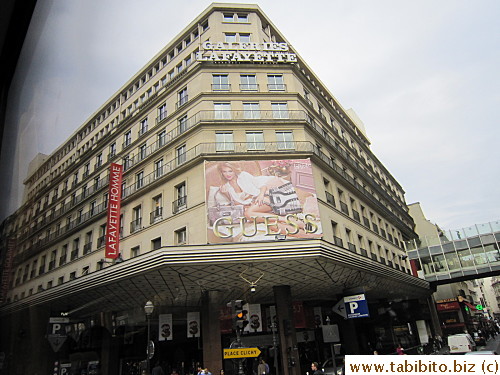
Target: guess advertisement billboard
{"x":113,"y":223}
{"x":256,"y":200}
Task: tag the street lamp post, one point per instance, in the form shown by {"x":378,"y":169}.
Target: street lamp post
{"x":148,"y":309}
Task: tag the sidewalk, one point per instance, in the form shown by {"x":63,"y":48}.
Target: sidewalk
{"x":492,"y":344}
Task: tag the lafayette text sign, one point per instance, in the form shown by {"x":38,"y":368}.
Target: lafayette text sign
{"x":114,"y":203}
{"x":246,"y":52}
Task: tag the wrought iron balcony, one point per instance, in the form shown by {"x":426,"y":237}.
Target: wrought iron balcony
{"x":179,"y":204}
{"x":156,"y":215}
{"x":87,"y":248}
{"x":135,"y":225}
{"x":249,"y":87}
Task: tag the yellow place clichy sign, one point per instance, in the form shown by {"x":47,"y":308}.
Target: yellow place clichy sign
{"x":241,"y":353}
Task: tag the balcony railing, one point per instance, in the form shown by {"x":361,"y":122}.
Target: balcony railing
{"x":156,"y":215}
{"x":161,"y":117}
{"x":87,"y":248}
{"x":142,"y":131}
{"x":249,"y":87}
{"x":221,"y":87}
{"x":179,"y":204}
{"x":62,"y":260}
{"x":101,"y":241}
{"x":276,"y":87}
{"x":135,"y":225}
{"x":182,"y":101}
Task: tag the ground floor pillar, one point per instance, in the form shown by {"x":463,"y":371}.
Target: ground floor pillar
{"x":288,"y":340}
{"x":212,"y":347}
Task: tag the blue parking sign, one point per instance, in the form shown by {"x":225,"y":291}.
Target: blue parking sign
{"x":356,"y":306}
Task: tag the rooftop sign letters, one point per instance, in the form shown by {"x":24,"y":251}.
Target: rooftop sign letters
{"x":246,"y":52}
{"x":114,"y":203}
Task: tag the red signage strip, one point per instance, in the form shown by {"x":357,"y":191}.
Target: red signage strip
{"x":7,"y":268}
{"x":447,"y":306}
{"x":114,"y":203}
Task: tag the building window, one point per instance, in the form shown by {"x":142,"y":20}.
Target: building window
{"x":248,"y":82}
{"x":275,"y":82}
{"x":230,"y":37}
{"x":255,"y":140}
{"x":135,"y":251}
{"x":143,"y":127}
{"x":136,"y":223}
{"x":102,"y":235}
{"x":127,"y":139}
{"x":240,"y":18}
{"x":244,"y":38}
{"x":156,"y":243}
{"x":74,"y":252}
{"x":285,"y":140}
{"x":157,"y":213}
{"x":224,"y":141}
{"x":161,"y":138}
{"x":52,"y":262}
{"x":60,"y":280}
{"x":142,"y":151}
{"x":86,"y":170}
{"x":64,"y":255}
{"x":251,"y":111}
{"x":181,"y":197}
{"x":112,"y":150}
{"x":180,"y":154}
{"x":181,"y":236}
{"x":158,"y":168}
{"x":92,"y":207}
{"x":162,"y":112}
{"x":280,"y":110}
{"x":183,"y":97}
{"x":222,"y":111}
{"x":182,"y":124}
{"x":220,"y":82}
{"x":98,"y":161}
{"x":72,"y":276}
{"x":139,"y":180}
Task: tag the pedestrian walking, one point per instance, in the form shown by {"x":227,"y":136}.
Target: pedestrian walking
{"x":316,"y":369}
{"x":157,"y":370}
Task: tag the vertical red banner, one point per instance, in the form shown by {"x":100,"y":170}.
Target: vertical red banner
{"x":114,"y":203}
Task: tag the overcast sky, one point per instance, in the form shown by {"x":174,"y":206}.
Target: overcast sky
{"x":422,"y":75}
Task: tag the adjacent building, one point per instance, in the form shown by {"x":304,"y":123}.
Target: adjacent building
{"x":224,"y":170}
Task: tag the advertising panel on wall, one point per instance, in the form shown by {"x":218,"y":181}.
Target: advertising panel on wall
{"x":257,"y":200}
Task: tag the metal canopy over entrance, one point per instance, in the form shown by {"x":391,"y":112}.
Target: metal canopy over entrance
{"x":177,"y":276}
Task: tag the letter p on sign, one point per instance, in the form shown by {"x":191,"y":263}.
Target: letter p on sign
{"x":56,"y":327}
{"x":352,"y":307}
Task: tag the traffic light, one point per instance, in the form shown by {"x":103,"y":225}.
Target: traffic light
{"x":240,"y":316}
